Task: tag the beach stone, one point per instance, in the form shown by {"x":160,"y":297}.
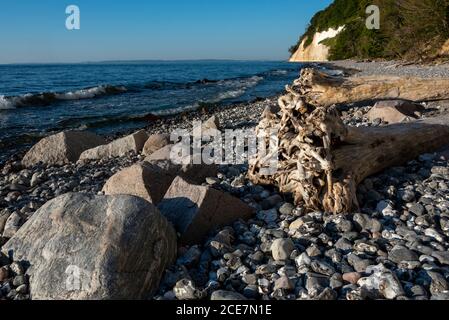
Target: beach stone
{"x":4,"y":215}
{"x":417,"y":209}
{"x":163,"y":154}
{"x":185,"y":289}
{"x":142,"y":180}
{"x":12,"y":225}
{"x":400,"y":253}
{"x":394,"y":111}
{"x":364,"y":222}
{"x":196,"y":210}
{"x":360,"y":265}
{"x":286,"y":209}
{"x":352,"y":277}
{"x":321,"y":267}
{"x":281,"y":249}
{"x":316,"y":283}
{"x":117,"y":246}
{"x":117,"y":148}
{"x":327,"y":295}
{"x":211,"y":126}
{"x":441,"y":296}
{"x":439,"y":283}
{"x":156,"y":142}
{"x":385,"y":282}
{"x":222,"y":295}
{"x":62,"y":148}
{"x":251,"y":292}
{"x":442,"y":256}
{"x":4,"y":273}
{"x":284,"y":283}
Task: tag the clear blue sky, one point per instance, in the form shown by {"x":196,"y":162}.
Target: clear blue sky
{"x":34,"y":30}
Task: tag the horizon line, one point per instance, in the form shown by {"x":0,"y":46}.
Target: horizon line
{"x":142,"y":60}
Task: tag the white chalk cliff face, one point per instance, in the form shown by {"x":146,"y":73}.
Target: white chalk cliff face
{"x":316,"y":51}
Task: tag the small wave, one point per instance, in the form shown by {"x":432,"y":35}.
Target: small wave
{"x":5,"y":104}
{"x":91,"y":93}
{"x":230,"y":94}
{"x":47,"y":98}
{"x":279,"y":72}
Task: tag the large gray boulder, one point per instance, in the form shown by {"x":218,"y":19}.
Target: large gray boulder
{"x":117,"y":148}
{"x":84,"y":247}
{"x":196,"y":210}
{"x":61,"y":148}
{"x":144,"y":180}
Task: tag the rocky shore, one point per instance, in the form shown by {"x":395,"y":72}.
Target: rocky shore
{"x":396,"y":247}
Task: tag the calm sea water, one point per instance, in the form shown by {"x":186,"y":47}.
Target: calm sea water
{"x":36,"y":100}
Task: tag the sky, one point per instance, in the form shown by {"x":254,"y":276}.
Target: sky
{"x":35,"y":31}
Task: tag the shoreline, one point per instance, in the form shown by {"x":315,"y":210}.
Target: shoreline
{"x":232,"y":115}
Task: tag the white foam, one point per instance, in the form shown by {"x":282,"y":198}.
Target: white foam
{"x":87,"y":93}
{"x":5,"y":104}
{"x":230,"y":94}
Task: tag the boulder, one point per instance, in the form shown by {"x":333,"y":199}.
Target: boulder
{"x":394,"y":111}
{"x":144,"y":180}
{"x":61,"y":148}
{"x":210,"y":126}
{"x":197,"y":210}
{"x":163,"y":154}
{"x":197,"y":173}
{"x":117,"y":148}
{"x":85,"y":247}
{"x":194,"y":173}
{"x":155,"y":143}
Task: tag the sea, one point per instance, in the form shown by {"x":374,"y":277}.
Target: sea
{"x":37,"y":100}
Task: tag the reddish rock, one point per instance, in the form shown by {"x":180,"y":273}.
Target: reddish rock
{"x":352,"y":277}
{"x":145,"y":180}
{"x":156,"y":142}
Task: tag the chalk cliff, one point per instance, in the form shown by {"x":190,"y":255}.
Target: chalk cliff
{"x":316,"y":51}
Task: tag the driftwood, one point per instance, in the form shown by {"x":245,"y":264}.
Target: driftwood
{"x":319,"y":87}
{"x":321,"y":161}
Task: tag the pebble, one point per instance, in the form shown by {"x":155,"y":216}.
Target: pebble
{"x":284,"y":283}
{"x":282,"y":249}
{"x":186,"y":290}
{"x":401,"y":253}
{"x":442,"y":256}
{"x":286,"y":209}
{"x":222,"y":295}
{"x":352,"y":277}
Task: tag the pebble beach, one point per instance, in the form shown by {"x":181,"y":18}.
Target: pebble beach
{"x":396,"y":247}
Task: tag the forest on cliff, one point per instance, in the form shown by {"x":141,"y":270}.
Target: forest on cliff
{"x":409,"y":29}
